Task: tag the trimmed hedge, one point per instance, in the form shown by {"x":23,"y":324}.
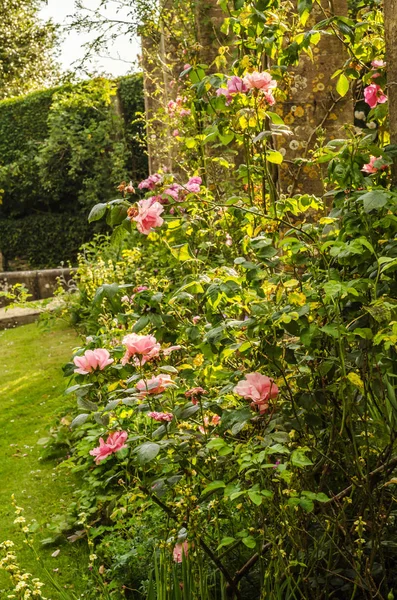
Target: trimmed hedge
{"x":44,"y":241}
{"x":27,"y":136}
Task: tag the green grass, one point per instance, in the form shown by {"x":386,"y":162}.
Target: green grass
{"x":31,"y":395}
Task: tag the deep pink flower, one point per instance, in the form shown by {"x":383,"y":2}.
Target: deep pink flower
{"x":114,"y":443}
{"x":260,"y":81}
{"x":373,"y":95}
{"x":160,"y":416}
{"x":151,"y":182}
{"x":236,"y":85}
{"x":179,"y":550}
{"x":144,"y":345}
{"x":148,"y":215}
{"x":154,"y":385}
{"x":258,"y":388}
{"x":369,"y":168}
{"x":92,"y":360}
{"x":193,"y":185}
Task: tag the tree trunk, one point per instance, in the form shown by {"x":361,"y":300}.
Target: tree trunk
{"x":390,"y":16}
{"x":314,"y":108}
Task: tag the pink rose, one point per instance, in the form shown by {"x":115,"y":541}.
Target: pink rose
{"x":154,"y":385}
{"x":145,"y":345}
{"x":369,"y":168}
{"x":214,"y":422}
{"x":167,"y":351}
{"x":196,"y":319}
{"x":225,"y":92}
{"x":373,"y":95}
{"x":173,"y":190}
{"x":114,"y":443}
{"x":258,"y":388}
{"x":175,"y":133}
{"x":179,"y":550}
{"x":260,"y":81}
{"x":187,"y":66}
{"x":193,"y":185}
{"x":236,"y":85}
{"x":92,"y":360}
{"x":185,"y":112}
{"x":378,"y":64}
{"x":160,"y":416}
{"x":151,"y":182}
{"x":148,"y":215}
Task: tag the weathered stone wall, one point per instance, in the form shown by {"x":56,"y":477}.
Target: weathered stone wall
{"x":40,"y":284}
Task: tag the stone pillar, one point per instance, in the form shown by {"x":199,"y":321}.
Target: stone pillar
{"x":314,"y":105}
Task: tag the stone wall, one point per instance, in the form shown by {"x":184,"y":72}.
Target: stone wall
{"x":40,"y":284}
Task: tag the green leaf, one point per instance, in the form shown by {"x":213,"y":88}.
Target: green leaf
{"x":275,"y":118}
{"x":97,"y":212}
{"x":342,"y":87}
{"x":79,"y":420}
{"x":226,"y":541}
{"x":255,"y":497}
{"x":147,"y":452}
{"x":87,"y":404}
{"x":373,"y":200}
{"x":214,"y":485}
{"x":298,"y":459}
{"x":181,"y":252}
{"x":273,"y":156}
{"x":249,"y":542}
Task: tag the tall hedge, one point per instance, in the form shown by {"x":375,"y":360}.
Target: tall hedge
{"x":63,"y":150}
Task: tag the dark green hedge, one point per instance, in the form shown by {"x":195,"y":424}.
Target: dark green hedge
{"x":26,"y":131}
{"x":44,"y":241}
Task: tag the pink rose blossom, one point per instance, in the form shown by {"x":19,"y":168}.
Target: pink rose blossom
{"x":378,"y":64}
{"x":193,"y":185}
{"x":225,"y":92}
{"x":167,"y":351}
{"x":148,"y":216}
{"x":214,"y":422}
{"x":151,"y":182}
{"x":186,"y":66}
{"x":236,"y":85}
{"x":258,"y":388}
{"x":185,"y":112}
{"x":260,"y":81}
{"x":194,"y":393}
{"x":154,"y":385}
{"x":140,"y":288}
{"x":144,"y":345}
{"x":174,"y":191}
{"x":160,"y":416}
{"x":179,"y":550}
{"x":373,"y":95}
{"x":196,"y":319}
{"x":369,"y":168}
{"x":269,"y":98}
{"x":175,"y":133}
{"x":92,"y":360}
{"x":114,"y":443}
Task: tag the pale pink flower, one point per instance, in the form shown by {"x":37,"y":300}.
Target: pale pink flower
{"x":369,"y":168}
{"x":378,"y":64}
{"x":260,"y":81}
{"x":167,"y":351}
{"x":186,"y":66}
{"x":225,"y":92}
{"x":161,"y":416}
{"x":179,"y":550}
{"x":140,"y":288}
{"x":144,"y":345}
{"x":151,"y":182}
{"x":185,"y":112}
{"x":258,"y":388}
{"x":92,"y":360}
{"x":269,"y":98}
{"x":229,"y":241}
{"x":173,"y":190}
{"x":155,"y":385}
{"x":195,"y":393}
{"x":114,"y":443}
{"x":196,"y":319}
{"x":175,"y":133}
{"x":148,"y":216}
{"x":373,"y":95}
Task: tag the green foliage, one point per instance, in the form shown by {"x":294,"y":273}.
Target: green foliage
{"x":43,"y":240}
{"x":27,"y":48}
{"x":67,"y":147}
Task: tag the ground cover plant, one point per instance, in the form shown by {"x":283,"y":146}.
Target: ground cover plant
{"x":235,"y":418}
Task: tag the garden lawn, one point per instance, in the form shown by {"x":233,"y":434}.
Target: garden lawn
{"x":31,"y":395}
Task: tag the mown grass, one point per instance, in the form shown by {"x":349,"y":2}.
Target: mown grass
{"x":31,"y":395}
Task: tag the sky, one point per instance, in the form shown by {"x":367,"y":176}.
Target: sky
{"x":72,"y":47}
